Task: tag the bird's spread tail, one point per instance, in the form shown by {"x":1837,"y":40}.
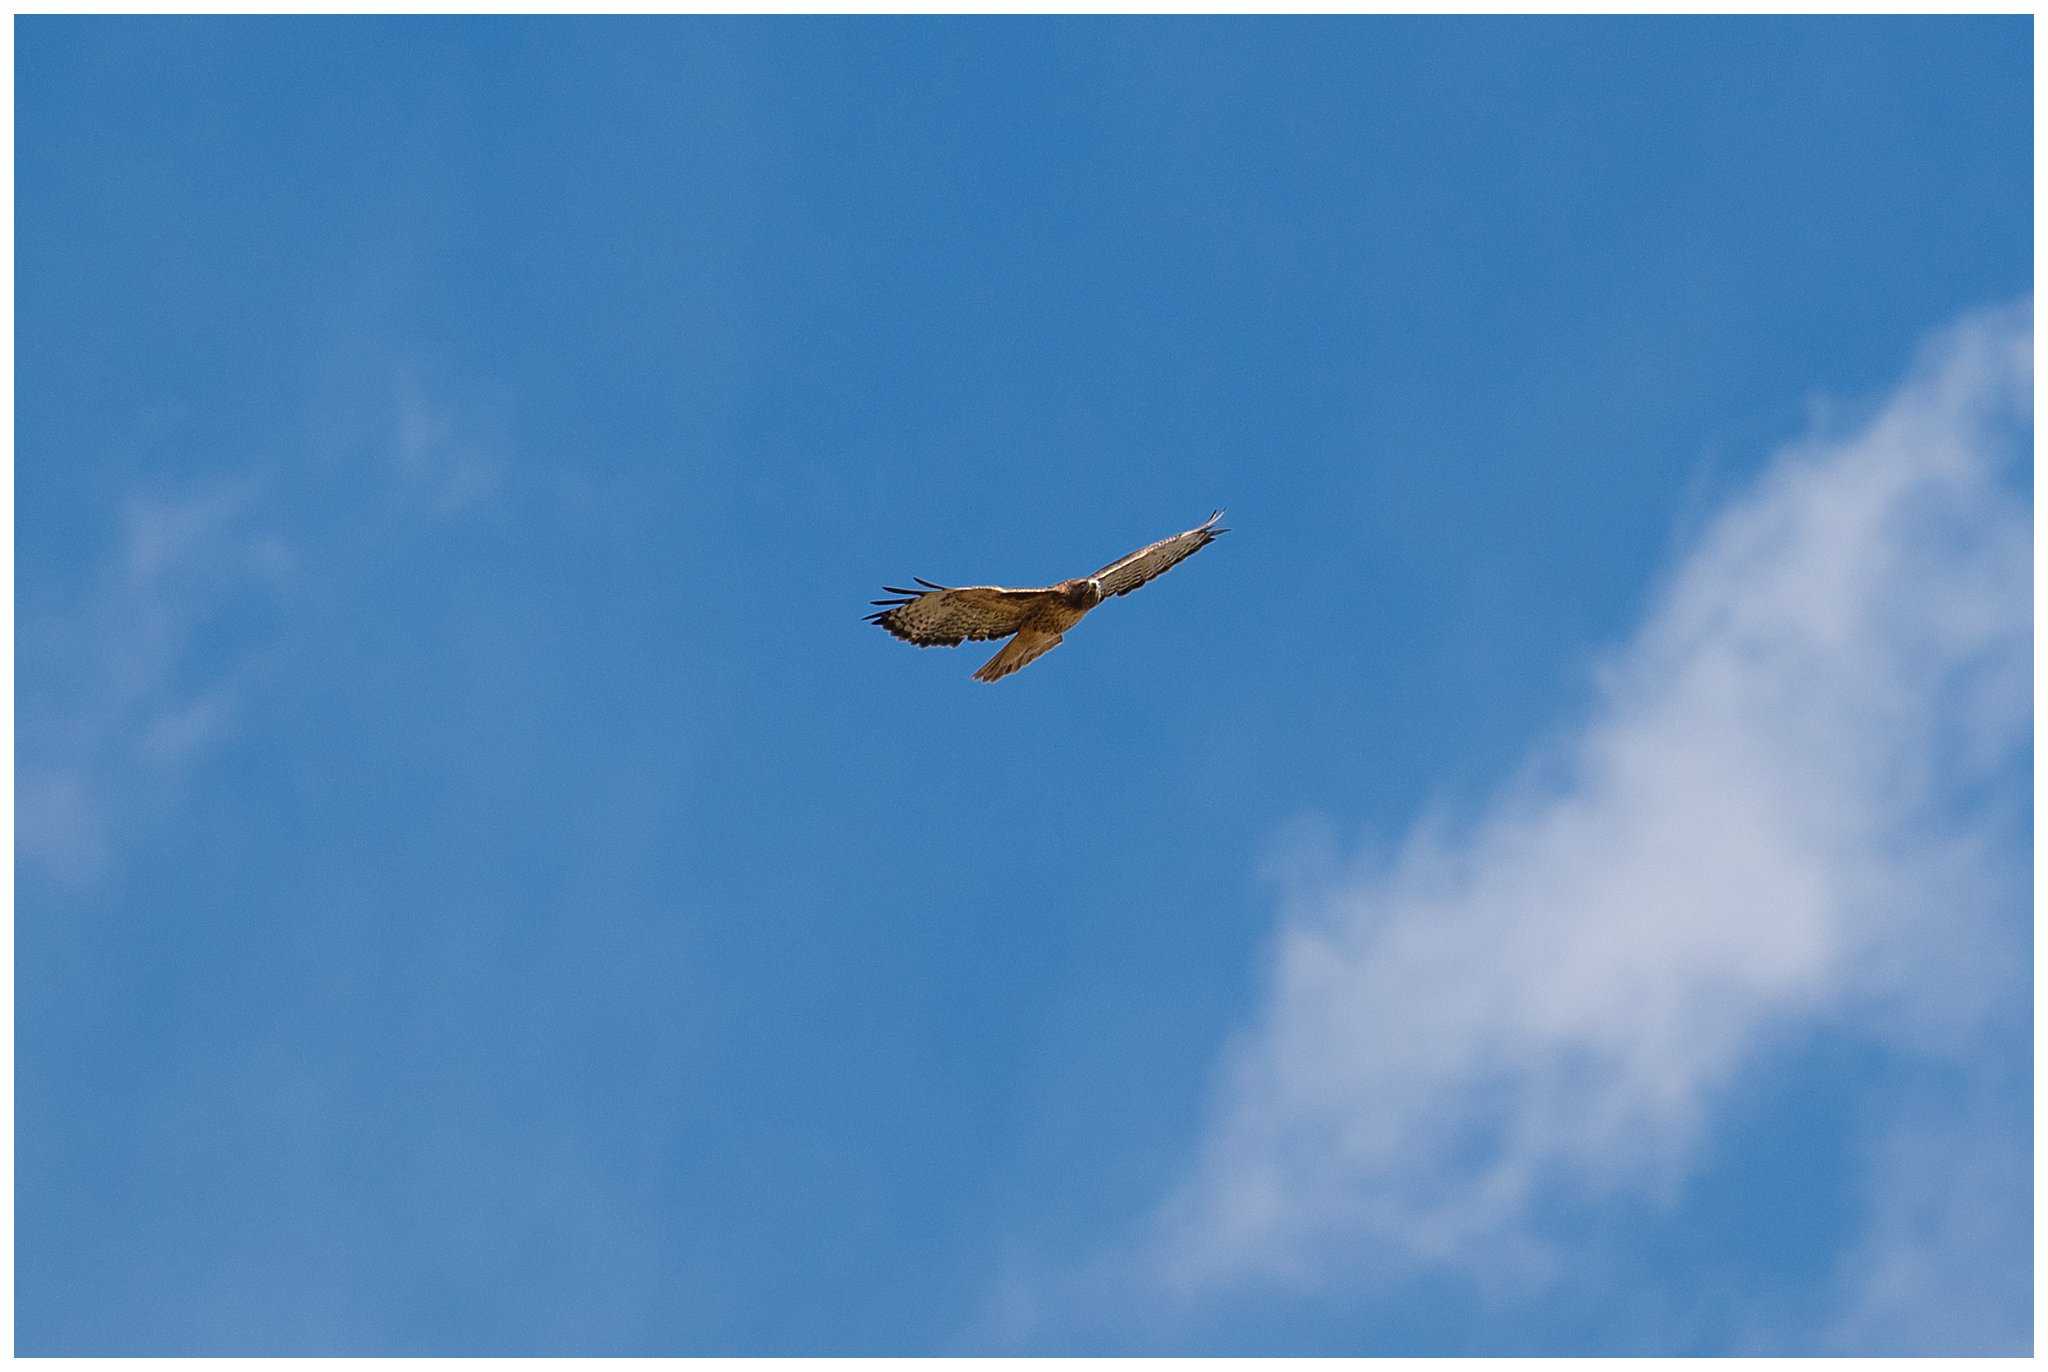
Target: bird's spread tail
{"x":1025,"y":648}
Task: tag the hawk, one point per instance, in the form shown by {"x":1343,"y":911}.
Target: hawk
{"x":1038,"y":615}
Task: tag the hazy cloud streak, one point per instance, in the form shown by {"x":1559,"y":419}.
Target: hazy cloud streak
{"x":114,"y":699}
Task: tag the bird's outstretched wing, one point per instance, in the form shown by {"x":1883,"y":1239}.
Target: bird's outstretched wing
{"x":1133,"y":570}
{"x":946,"y":615}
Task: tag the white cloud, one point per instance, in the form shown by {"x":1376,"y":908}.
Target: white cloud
{"x":1790,"y":806}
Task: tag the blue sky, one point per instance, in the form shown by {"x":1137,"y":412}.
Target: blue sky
{"x":1555,"y":879}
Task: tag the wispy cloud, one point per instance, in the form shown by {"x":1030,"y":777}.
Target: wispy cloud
{"x":448,"y":457}
{"x":151,"y":663}
{"x":115,"y":700}
{"x":1943,"y":1263}
{"x":1792,"y":805}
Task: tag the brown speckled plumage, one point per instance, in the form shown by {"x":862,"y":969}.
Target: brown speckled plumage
{"x":1038,"y":616}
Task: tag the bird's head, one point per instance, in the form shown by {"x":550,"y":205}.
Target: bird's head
{"x":1084,"y":593}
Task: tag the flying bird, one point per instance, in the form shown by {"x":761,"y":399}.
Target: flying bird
{"x":1038,"y":616}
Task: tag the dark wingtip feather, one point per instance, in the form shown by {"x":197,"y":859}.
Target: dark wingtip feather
{"x":881,"y":620}
{"x":931,"y":584}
